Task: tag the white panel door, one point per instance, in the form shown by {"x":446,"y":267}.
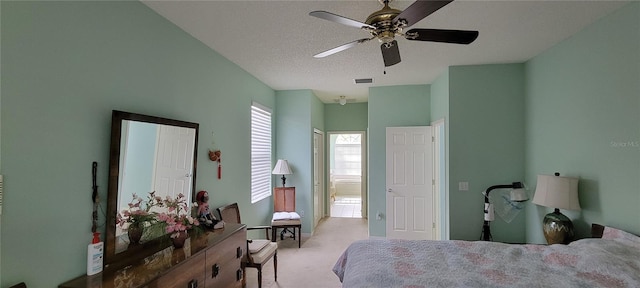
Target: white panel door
{"x":174,"y":156}
{"x":409,"y":178}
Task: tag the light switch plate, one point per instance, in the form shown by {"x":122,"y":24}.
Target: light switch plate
{"x":463,"y":186}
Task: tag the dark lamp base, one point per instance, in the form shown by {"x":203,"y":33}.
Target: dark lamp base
{"x":557,"y":228}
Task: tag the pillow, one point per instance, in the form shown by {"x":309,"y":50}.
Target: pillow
{"x":277,"y":216}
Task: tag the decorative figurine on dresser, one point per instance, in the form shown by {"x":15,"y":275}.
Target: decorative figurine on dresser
{"x":205,"y":216}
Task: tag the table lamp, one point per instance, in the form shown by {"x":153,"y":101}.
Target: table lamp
{"x":282,"y":168}
{"x":557,"y":192}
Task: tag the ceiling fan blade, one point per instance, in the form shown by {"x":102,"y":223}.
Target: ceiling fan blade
{"x":341,"y":48}
{"x":339,"y":19}
{"x":390,"y":53}
{"x":439,"y":35}
{"x":418,"y":10}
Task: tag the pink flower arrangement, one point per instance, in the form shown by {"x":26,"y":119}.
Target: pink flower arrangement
{"x":139,"y":211}
{"x":177,"y":216}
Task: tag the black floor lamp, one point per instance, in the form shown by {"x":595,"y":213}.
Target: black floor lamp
{"x":517,"y":194}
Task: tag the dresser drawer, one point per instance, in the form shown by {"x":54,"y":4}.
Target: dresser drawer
{"x":189,"y":274}
{"x":223,"y":268}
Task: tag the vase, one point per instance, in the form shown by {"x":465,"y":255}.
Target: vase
{"x":135,"y":231}
{"x":178,"y":242}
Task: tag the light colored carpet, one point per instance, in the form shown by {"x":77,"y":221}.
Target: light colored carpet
{"x":310,"y":266}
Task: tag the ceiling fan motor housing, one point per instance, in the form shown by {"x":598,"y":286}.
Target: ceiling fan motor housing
{"x":383,"y":21}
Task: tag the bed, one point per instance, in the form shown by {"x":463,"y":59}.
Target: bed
{"x":610,"y":261}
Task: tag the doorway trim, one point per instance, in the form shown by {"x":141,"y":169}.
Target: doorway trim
{"x":441,"y":189}
{"x":319,"y":167}
{"x":363,"y":170}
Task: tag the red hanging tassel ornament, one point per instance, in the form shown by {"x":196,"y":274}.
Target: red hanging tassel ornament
{"x":215,"y":156}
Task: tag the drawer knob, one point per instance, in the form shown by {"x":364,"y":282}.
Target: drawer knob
{"x":239,"y":275}
{"x":239,"y":252}
{"x":215,"y":270}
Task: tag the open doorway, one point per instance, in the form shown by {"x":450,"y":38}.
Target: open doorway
{"x":346,"y":174}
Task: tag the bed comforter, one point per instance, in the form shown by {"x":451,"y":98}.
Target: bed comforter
{"x":423,"y":263}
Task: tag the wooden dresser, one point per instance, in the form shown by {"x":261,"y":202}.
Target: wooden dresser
{"x":211,"y":260}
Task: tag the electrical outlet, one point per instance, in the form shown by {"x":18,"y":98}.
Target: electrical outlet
{"x":379,"y":215}
{"x":301,"y":213}
{"x":463,"y":186}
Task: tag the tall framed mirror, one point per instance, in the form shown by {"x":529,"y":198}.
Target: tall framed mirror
{"x":147,"y":154}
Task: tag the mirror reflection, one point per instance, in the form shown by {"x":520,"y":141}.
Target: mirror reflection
{"x":154,"y":158}
{"x":148,"y":154}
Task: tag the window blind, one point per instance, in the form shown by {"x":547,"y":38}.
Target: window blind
{"x":260,"y":152}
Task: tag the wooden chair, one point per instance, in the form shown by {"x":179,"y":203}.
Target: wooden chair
{"x":260,"y":250}
{"x":284,"y":200}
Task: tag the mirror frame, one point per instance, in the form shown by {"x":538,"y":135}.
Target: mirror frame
{"x":152,"y":246}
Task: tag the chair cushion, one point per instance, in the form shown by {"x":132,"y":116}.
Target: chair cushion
{"x":257,"y":245}
{"x":267,"y":252}
{"x":278,"y":216}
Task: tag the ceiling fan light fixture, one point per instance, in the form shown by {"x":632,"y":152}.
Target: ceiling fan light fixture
{"x":386,"y":37}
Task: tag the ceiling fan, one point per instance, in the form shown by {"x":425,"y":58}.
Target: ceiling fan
{"x":388,"y":22}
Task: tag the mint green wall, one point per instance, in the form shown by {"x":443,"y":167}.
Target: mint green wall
{"x":486,"y":144}
{"x":349,"y":117}
{"x":583,"y":120}
{"x":440,"y":110}
{"x":294,"y":138}
{"x":388,"y":107}
{"x":65,"y":66}
{"x":440,"y":97}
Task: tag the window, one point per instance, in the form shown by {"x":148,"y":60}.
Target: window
{"x":260,"y":152}
{"x":347,"y":155}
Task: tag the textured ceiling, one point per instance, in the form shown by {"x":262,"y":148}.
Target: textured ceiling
{"x":275,"y":40}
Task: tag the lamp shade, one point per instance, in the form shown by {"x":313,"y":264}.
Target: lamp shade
{"x":282,"y":168}
{"x":557,"y":192}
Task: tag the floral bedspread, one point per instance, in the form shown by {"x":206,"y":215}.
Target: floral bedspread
{"x":422,"y":263}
